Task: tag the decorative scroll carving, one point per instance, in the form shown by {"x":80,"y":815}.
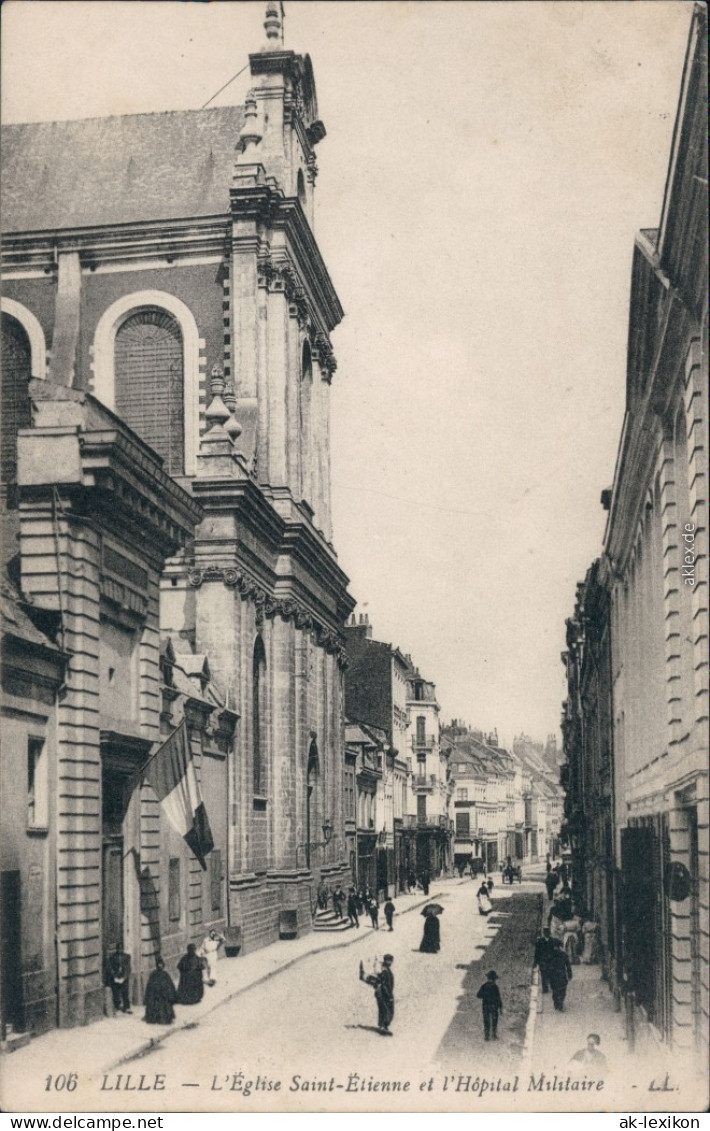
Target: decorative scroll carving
{"x":267,"y":607}
{"x":280,"y":277}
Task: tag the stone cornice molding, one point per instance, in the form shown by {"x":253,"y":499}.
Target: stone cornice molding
{"x":167,"y":240}
{"x":266,"y":204}
{"x":267,"y":606}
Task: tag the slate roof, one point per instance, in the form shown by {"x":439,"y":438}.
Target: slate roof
{"x":15,"y":621}
{"x":122,"y":169}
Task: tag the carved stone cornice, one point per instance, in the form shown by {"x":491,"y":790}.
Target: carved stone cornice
{"x":280,"y":277}
{"x":267,"y":607}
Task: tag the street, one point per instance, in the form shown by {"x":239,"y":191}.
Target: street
{"x":313,"y":1026}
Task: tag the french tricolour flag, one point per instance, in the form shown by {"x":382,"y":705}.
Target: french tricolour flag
{"x":171,"y":774}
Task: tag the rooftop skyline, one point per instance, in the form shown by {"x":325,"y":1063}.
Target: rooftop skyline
{"x":486,"y":168}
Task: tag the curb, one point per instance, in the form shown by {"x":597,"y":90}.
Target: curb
{"x":154,"y":1042}
{"x":526,"y":1058}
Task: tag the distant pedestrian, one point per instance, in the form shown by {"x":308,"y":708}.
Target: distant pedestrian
{"x":492,"y":1005}
{"x":491,"y":885}
{"x":352,"y":908}
{"x":551,"y":882}
{"x":425,"y":882}
{"x":483,"y":900}
{"x":160,"y":996}
{"x":338,"y":900}
{"x":543,"y":957}
{"x":389,"y":913}
{"x":323,"y":897}
{"x":560,"y":974}
{"x":209,"y":951}
{"x":374,"y":910}
{"x":431,"y":939}
{"x":118,"y":978}
{"x":190,"y":987}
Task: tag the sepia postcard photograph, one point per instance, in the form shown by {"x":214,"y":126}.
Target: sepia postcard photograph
{"x":354,"y":557}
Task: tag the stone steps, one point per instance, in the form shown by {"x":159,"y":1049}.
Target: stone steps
{"x":328,"y":921}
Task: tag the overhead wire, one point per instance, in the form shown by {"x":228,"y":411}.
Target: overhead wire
{"x":225,"y":86}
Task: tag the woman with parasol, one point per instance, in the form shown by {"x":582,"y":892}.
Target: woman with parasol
{"x":431,"y":939}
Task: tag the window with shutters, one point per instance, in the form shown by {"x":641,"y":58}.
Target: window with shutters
{"x":174,"y":889}
{"x":215,"y":859}
{"x":16,"y":371}
{"x":149,"y":383}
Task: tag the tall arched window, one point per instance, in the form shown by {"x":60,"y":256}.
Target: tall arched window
{"x":306,"y":393}
{"x":259,"y":717}
{"x":149,"y":383}
{"x":301,"y":188}
{"x":16,"y":372}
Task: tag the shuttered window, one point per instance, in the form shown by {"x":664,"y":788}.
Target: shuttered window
{"x":16,"y":371}
{"x":149,"y":383}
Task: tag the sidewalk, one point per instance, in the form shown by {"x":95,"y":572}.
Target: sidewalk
{"x":589,"y":1008}
{"x":113,"y":1041}
{"x":650,"y":1078}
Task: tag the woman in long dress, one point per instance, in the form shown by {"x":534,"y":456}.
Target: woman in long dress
{"x":431,"y":939}
{"x":484,"y":903}
{"x":160,"y":996}
{"x":190,"y":987}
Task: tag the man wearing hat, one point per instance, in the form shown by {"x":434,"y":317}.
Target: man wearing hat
{"x":492,"y":1005}
{"x":384,"y":993}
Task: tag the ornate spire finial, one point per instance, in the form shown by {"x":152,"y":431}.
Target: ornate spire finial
{"x":250,"y":134}
{"x":217,"y":412}
{"x":274,"y":25}
{"x":232,"y":425}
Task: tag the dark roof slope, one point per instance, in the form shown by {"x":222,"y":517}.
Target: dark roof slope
{"x":16,"y":622}
{"x":119,"y":169}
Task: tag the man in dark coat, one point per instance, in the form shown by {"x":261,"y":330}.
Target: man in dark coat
{"x":384,"y":993}
{"x":118,"y":978}
{"x":338,"y":900}
{"x":492,"y":1005}
{"x":374,"y":910}
{"x":551,"y":882}
{"x":559,"y":974}
{"x":160,"y":996}
{"x":191,"y":987}
{"x":389,"y":913}
{"x":352,"y":908}
{"x":543,"y":957}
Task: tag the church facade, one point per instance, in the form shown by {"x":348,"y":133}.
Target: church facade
{"x":167,"y":363}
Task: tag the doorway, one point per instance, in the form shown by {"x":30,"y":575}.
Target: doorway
{"x":13,"y":1012}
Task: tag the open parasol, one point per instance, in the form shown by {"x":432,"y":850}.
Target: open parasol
{"x":433,"y":909}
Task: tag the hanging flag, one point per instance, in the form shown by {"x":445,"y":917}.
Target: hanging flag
{"x":171,"y":775}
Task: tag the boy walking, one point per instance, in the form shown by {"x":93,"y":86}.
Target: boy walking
{"x":492,"y":1006}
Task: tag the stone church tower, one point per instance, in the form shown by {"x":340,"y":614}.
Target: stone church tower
{"x":263,"y":594}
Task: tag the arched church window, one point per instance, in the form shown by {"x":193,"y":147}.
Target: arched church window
{"x":149,"y":380}
{"x":301,"y":188}
{"x":259,"y":717}
{"x":16,"y":372}
{"x":306,"y":392}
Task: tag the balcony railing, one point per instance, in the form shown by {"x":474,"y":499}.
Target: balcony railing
{"x":423,"y":742}
{"x":424,"y":783}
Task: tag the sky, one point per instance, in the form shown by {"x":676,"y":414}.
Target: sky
{"x":485,"y":169}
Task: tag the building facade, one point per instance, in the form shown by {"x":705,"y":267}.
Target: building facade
{"x":647,"y":610}
{"x":167,"y":361}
